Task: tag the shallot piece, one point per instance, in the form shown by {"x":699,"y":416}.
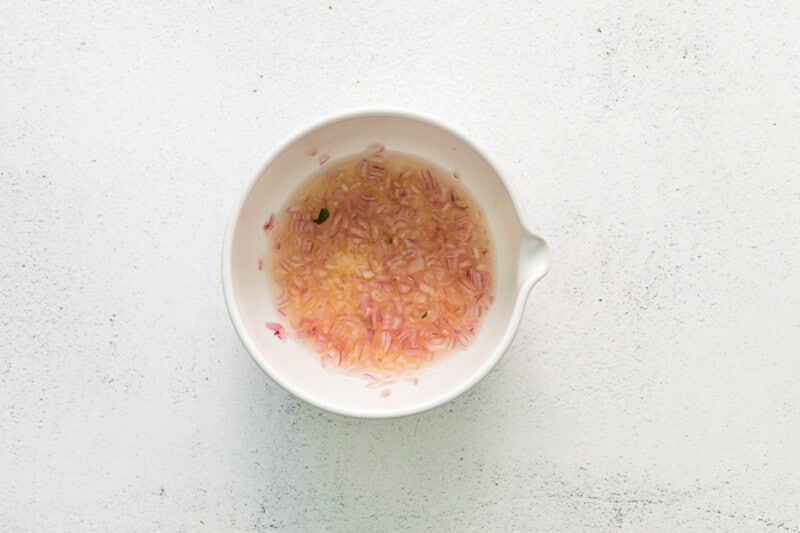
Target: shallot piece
{"x":398,"y":273}
{"x":277,"y":330}
{"x":414,"y":380}
{"x":375,"y":149}
{"x":269,"y":224}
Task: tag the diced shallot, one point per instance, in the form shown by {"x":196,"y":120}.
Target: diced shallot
{"x":277,"y":330}
{"x":396,"y":272}
{"x":269,"y":224}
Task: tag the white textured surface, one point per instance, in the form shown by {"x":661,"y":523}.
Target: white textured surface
{"x":655,"y":381}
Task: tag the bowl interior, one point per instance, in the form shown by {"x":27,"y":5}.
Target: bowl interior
{"x":295,"y":366}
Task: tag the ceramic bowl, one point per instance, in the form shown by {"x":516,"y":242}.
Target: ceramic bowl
{"x":521,"y":259}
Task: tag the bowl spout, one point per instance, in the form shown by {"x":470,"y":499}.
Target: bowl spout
{"x":533,"y":261}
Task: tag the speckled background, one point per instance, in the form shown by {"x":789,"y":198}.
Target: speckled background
{"x":654,"y":384}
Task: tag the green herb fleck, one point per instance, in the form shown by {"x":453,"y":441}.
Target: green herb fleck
{"x":388,"y":240}
{"x":323,"y":216}
{"x":424,"y":314}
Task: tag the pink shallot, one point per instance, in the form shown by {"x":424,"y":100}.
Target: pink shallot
{"x":397,"y":273}
{"x":277,"y":329}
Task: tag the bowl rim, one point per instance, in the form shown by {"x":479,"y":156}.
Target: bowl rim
{"x":227,"y":276}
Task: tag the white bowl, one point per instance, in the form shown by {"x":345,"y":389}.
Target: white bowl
{"x":521,"y":259}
